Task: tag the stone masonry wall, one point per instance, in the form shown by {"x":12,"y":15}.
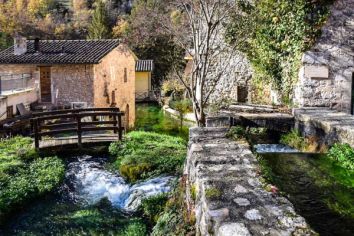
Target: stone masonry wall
{"x":325,"y":80}
{"x":225,"y":192}
{"x":109,"y":79}
{"x":72,"y":83}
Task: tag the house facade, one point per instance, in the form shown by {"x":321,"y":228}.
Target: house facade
{"x":90,"y":73}
{"x":143,"y":76}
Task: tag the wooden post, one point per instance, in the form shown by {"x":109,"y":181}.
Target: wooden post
{"x":120,"y":134}
{"x":79,"y":132}
{"x":36,"y":133}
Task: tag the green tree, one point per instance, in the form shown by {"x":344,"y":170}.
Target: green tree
{"x":99,"y":29}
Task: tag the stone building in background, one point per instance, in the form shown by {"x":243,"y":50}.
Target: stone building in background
{"x":327,"y":73}
{"x":85,"y":73}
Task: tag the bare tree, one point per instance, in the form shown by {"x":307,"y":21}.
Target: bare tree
{"x":206,"y":21}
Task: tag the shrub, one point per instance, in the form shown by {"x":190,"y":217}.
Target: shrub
{"x":135,"y":229}
{"x":295,"y":140}
{"x":153,"y":206}
{"x":212,"y":193}
{"x":343,"y":154}
{"x":23,"y":175}
{"x":143,"y":155}
{"x":237,"y":132}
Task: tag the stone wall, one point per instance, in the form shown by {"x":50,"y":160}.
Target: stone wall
{"x":233,"y":85}
{"x":110,"y":87}
{"x":72,"y":83}
{"x":225,"y":192}
{"x":325,"y":79}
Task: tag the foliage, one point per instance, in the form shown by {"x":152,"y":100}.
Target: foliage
{"x":153,"y":119}
{"x":343,"y":154}
{"x":212,"y":193}
{"x":274,"y":34}
{"x":23,"y":175}
{"x":295,"y":140}
{"x":237,"y":132}
{"x":143,"y":155}
{"x":172,"y":86}
{"x":135,"y":229}
{"x":152,"y":207}
{"x":175,"y":220}
{"x":98,"y":29}
{"x":182,"y":107}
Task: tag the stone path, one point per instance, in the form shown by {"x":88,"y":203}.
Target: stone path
{"x":225,"y":190}
{"x":329,"y":125}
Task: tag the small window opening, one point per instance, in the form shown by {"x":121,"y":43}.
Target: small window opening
{"x":125,"y":75}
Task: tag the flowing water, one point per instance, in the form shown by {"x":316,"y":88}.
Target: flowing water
{"x":320,"y":190}
{"x":92,"y":200}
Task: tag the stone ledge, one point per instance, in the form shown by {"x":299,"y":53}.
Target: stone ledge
{"x":228,"y":197}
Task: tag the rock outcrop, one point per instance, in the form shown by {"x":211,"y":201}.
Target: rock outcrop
{"x":225,"y":191}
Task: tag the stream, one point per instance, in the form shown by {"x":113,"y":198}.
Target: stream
{"x":321,"y":191}
{"x":92,"y":200}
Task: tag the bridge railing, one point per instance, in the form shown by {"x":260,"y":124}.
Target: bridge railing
{"x":76,"y":121}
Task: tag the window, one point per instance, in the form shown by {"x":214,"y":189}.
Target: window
{"x":125,"y":75}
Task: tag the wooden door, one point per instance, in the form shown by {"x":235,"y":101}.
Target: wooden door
{"x":45,"y":81}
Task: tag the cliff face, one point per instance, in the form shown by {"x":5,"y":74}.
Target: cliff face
{"x":326,"y":76}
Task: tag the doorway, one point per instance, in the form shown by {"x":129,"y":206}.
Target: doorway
{"x":45,"y":84}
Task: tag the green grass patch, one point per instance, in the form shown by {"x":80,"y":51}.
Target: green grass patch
{"x":143,"y":155}
{"x":343,"y":154}
{"x":23,"y":175}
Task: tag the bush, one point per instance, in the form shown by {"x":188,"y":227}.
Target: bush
{"x":237,"y":132}
{"x":23,"y":175}
{"x":295,"y":140}
{"x":153,"y":206}
{"x":143,"y":155}
{"x":343,"y":154}
{"x":135,"y":229}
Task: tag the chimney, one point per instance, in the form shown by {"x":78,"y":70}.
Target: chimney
{"x":20,"y":45}
{"x":36,"y":45}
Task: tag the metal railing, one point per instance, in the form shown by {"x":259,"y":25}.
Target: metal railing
{"x":15,"y":82}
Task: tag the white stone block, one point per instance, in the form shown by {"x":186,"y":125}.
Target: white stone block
{"x":316,"y":72}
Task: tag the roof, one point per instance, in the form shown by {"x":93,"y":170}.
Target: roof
{"x":144,"y":65}
{"x":61,"y":52}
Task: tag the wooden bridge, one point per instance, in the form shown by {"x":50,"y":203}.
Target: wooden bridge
{"x":63,"y":127}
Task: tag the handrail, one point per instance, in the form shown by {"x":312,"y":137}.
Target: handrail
{"x":40,"y":129}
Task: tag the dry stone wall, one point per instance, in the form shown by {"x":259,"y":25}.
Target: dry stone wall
{"x":226,"y":194}
{"x":325,"y":80}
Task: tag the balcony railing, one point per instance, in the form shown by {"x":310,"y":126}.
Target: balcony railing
{"x":15,"y":83}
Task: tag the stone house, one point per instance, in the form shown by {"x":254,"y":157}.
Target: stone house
{"x":327,"y":73}
{"x":91,"y":73}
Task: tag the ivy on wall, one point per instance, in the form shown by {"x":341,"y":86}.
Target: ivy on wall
{"x":274,"y":34}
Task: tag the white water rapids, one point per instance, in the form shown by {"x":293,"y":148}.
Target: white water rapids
{"x":274,"y":148}
{"x":91,"y":183}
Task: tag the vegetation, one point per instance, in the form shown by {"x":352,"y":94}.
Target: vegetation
{"x":295,"y":140}
{"x":23,"y":175}
{"x":274,"y":34}
{"x":152,"y":207}
{"x":143,"y":155}
{"x":152,"y":118}
{"x":182,"y":107}
{"x":175,"y":219}
{"x":343,"y":154}
{"x":98,"y":29}
{"x":212,"y":193}
{"x":237,"y":132}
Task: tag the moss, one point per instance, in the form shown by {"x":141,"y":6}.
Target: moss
{"x":194,"y":192}
{"x":212,"y":193}
{"x":237,"y":132}
{"x":144,"y":154}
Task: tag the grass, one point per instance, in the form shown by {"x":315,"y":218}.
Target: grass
{"x":24,"y":175}
{"x":144,"y":154}
{"x":343,"y":154}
